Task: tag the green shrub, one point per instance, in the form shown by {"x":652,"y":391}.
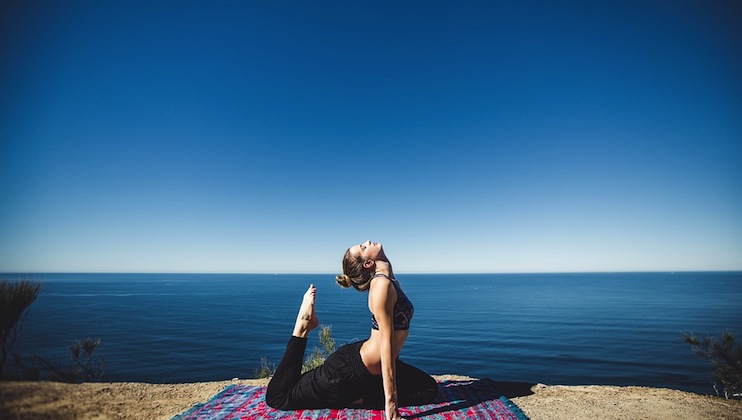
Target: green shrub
{"x":315,"y":359}
{"x":83,"y":366}
{"x":318,"y":356}
{"x":265,"y":370}
{"x":725,"y":356}
{"x":15,"y":299}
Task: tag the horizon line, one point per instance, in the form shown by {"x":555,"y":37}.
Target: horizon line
{"x":19,"y":273}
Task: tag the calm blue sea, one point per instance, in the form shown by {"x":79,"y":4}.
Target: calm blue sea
{"x":620,"y":329}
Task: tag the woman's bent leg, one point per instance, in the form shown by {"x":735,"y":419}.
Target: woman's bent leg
{"x":414,"y":387}
{"x":287,"y":373}
{"x":335,"y":384}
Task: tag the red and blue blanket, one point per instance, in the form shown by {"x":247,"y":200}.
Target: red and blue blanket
{"x":475,"y":399}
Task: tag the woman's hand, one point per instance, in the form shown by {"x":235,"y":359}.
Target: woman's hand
{"x":392,"y":413}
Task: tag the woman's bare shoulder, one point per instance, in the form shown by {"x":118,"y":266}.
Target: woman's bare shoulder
{"x":380,"y":284}
{"x":382,"y":293}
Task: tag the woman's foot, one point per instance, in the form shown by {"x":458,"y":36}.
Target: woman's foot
{"x":306,"y":320}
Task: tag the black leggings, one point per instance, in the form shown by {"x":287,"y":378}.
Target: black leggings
{"x":341,"y":380}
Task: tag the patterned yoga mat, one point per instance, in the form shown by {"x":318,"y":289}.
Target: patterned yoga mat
{"x":456,"y":400}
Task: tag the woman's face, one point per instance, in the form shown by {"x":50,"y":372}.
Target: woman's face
{"x":368,"y":251}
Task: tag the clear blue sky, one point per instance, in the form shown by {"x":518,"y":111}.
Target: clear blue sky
{"x":248,"y":136}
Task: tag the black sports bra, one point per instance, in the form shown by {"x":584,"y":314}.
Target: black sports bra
{"x":403,"y":309}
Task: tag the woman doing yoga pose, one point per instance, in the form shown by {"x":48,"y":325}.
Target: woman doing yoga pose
{"x":365,"y":373}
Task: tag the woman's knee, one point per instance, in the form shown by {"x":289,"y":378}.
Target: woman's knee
{"x":271,"y":400}
{"x":428,"y":389}
{"x":274,"y":399}
{"x":424,"y":391}
{"x":431,"y":389}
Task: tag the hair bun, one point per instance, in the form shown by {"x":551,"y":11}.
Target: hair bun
{"x":343,"y":280}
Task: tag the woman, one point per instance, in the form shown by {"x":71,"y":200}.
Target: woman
{"x":367,"y":373}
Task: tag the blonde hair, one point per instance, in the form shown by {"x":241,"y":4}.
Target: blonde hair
{"x":354,"y":273}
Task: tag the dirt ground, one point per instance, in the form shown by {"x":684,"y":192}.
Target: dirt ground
{"x":52,"y":400}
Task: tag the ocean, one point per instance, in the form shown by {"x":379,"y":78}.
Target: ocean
{"x":601,"y":328}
